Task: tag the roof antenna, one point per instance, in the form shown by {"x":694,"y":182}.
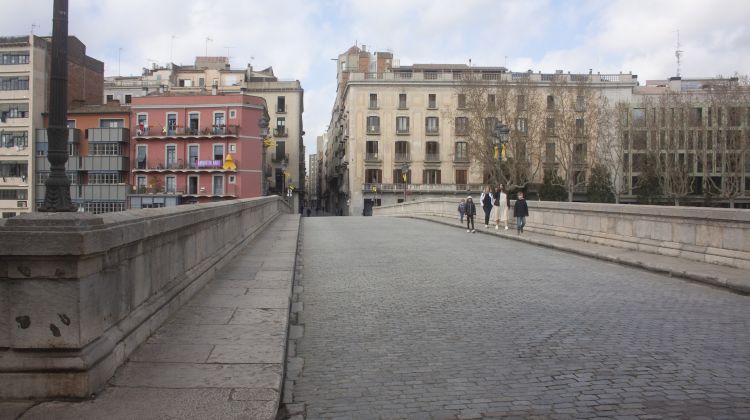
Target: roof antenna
{"x":678,"y":53}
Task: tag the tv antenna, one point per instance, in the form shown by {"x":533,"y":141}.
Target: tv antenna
{"x":678,"y":53}
{"x":33,"y":26}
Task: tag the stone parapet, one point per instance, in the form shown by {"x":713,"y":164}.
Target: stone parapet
{"x":78,"y":293}
{"x":717,"y":236}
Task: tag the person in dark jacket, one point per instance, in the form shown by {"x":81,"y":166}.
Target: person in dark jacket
{"x":520,"y":211}
{"x":486,"y":200}
{"x":471,"y":211}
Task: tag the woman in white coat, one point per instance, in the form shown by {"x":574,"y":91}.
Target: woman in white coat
{"x":501,"y":206}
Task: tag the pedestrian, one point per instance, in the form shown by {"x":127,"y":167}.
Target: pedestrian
{"x":520,"y":211}
{"x":308,"y":212}
{"x":471,"y":211}
{"x":486,"y":201}
{"x":502,"y":204}
{"x":461,"y":210}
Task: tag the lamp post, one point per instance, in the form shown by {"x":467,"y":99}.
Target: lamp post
{"x":404,"y":175}
{"x":57,"y":191}
{"x":500,"y":139}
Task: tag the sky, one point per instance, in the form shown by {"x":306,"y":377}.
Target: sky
{"x":298,"y":38}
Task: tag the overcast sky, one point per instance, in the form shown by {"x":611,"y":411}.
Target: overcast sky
{"x":300,"y":37}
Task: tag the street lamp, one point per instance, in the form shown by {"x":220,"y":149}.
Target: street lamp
{"x":500,"y":139}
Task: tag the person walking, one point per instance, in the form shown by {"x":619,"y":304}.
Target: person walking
{"x":471,"y":211}
{"x":461,"y":210}
{"x":520,"y":211}
{"x":502,"y":204}
{"x":486,"y":200}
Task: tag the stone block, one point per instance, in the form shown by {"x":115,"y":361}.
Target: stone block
{"x":684,"y":233}
{"x":732,"y":238}
{"x":44,"y":314}
{"x":624,"y":227}
{"x":643,"y":228}
{"x":662,"y":231}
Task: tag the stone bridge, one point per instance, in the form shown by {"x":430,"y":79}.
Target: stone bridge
{"x":240,"y":310}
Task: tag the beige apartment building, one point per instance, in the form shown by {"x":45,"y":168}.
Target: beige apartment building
{"x":284,"y":159}
{"x":24,"y":97}
{"x":400,"y":132}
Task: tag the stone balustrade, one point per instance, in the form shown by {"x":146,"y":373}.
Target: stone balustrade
{"x":718,"y":236}
{"x":79,"y":293}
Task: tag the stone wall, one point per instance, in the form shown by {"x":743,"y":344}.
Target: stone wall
{"x":79,"y":293}
{"x":718,"y":236}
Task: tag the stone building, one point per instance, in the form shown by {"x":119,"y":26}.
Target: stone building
{"x":284,"y":168}
{"x":24,"y":97}
{"x":401,"y":132}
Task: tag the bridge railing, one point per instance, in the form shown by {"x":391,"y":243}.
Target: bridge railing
{"x":719,"y":236}
{"x":79,"y":293}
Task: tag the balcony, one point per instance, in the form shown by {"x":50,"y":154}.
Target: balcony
{"x":104,"y":163}
{"x":373,"y":129}
{"x":280,"y":132}
{"x":423,"y":188}
{"x":432,"y":157}
{"x":109,"y":135}
{"x":402,"y":157}
{"x":216,"y":165}
{"x":280,"y":157}
{"x":42,"y":164}
{"x":460,"y":159}
{"x":372,"y":157}
{"x":211,"y":131}
{"x":74,"y":135}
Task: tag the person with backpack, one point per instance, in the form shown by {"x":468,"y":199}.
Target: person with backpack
{"x":486,"y":200}
{"x":471,"y":211}
{"x":461,"y":210}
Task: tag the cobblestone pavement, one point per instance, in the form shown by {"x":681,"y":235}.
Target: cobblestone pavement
{"x":411,"y":319}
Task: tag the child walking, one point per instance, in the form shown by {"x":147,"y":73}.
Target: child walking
{"x":521,"y":211}
{"x":471,"y":211}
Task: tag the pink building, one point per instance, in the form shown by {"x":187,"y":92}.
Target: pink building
{"x":195,"y":148}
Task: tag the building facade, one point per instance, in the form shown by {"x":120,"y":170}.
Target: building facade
{"x":98,"y":163}
{"x":401,"y":132}
{"x":284,"y":168}
{"x":24,"y":97}
{"x":191,"y":148}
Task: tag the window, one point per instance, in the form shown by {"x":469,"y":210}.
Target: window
{"x":280,"y":126}
{"x":580,"y":103}
{"x":462,"y":126}
{"x":233,"y":148}
{"x":219,"y":152}
{"x":431,"y":176}
{"x":550,"y":102}
{"x":696,"y":117}
{"x":373,"y":176}
{"x":373,"y":101}
{"x":734,"y":117}
{"x":550,"y":126}
{"x":579,"y":127}
{"x":105,"y":149}
{"x":218,"y":185}
{"x":171,"y":185}
{"x":402,"y":125}
{"x":194,"y":122}
{"x":128,"y":99}
{"x":639,"y":117}
{"x":105,"y":178}
{"x":171,"y":156}
{"x":14,"y":83}
{"x":371,"y":150}
{"x":461,"y":178}
{"x":193,"y":156}
{"x":432,"y":101}
{"x":549,"y":153}
{"x":171,"y":124}
{"x":461,"y":101}
{"x":579,"y":153}
{"x":141,"y":152}
{"x":431,"y":125}
{"x":140,"y":184}
{"x":192,"y":186}
{"x":219,"y":123}
{"x":373,"y":125}
{"x":401,"y":177}
{"x":402,"y":101}
{"x":14,"y":57}
{"x":280,"y":151}
{"x":522,"y":125}
{"x":521,"y":103}
{"x":462,"y":152}
{"x":17,"y":139}
{"x":232,"y":114}
{"x":111,"y":123}
{"x":281,"y":104}
{"x":402,"y":151}
{"x":19,"y":110}
{"x":432,"y":151}
{"x":232,"y":179}
{"x":491,"y":101}
{"x":14,"y":169}
{"x":142,"y":123}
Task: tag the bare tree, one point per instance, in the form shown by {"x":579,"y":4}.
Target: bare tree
{"x":611,"y":146}
{"x":483,"y":104}
{"x":573,"y":112}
